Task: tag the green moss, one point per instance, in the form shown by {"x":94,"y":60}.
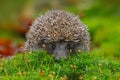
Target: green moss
{"x":40,"y":65}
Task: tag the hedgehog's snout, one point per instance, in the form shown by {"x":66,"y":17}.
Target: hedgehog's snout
{"x":60,"y":54}
{"x":61,"y":50}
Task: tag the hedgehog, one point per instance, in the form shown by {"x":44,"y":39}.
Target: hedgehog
{"x":59,"y":32}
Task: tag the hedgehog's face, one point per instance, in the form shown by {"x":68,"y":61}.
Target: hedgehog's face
{"x":61,"y":49}
{"x":58,"y":49}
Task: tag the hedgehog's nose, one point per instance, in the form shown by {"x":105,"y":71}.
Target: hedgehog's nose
{"x":58,"y":57}
{"x":60,"y":54}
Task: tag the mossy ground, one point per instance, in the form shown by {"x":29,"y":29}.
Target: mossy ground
{"x":41,"y":66}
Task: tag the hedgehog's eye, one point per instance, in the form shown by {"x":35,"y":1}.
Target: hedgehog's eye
{"x":53,"y":46}
{"x":68,"y":46}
